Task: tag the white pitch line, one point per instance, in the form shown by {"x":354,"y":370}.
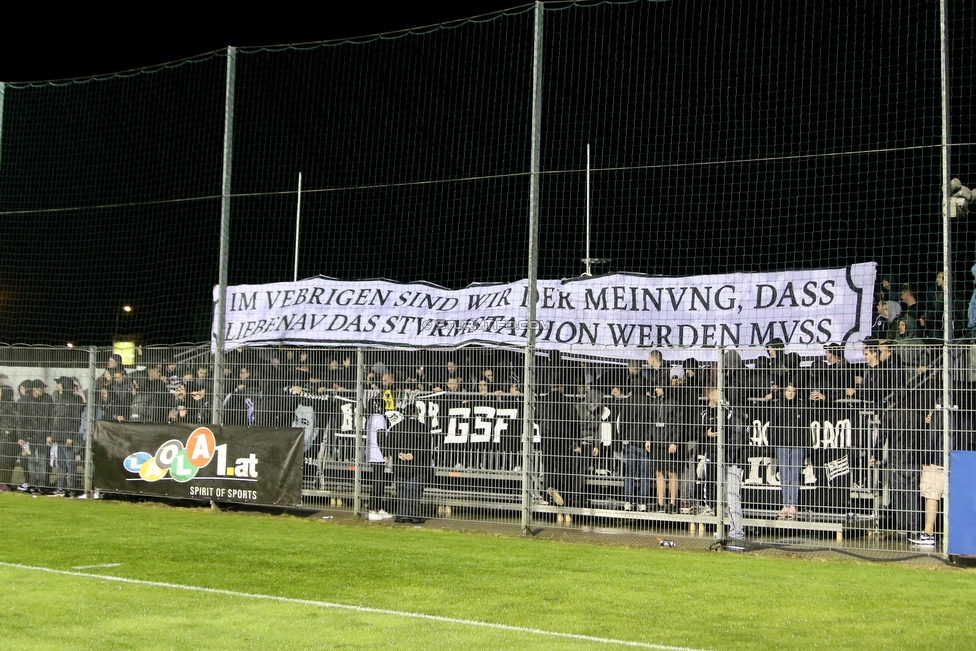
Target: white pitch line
{"x":358,"y":609}
{"x":90,"y":567}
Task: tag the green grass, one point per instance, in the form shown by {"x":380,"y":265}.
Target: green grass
{"x":659,"y":596}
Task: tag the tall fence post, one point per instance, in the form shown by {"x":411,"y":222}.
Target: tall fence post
{"x":3,"y":91}
{"x":528,"y":417}
{"x":225,"y":190}
{"x":90,"y":419}
{"x":357,"y":490}
{"x":720,"y":451}
{"x":947,"y":311}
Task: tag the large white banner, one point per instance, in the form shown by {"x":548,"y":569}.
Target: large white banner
{"x":616,"y":314}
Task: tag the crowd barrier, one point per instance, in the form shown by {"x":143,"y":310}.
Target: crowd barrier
{"x":849,"y":447}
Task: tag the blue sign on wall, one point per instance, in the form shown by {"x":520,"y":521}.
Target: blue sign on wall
{"x":962,"y":503}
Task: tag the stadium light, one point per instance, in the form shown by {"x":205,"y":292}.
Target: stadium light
{"x":125,"y":310}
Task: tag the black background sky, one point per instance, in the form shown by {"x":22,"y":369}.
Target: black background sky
{"x":44,"y":45}
{"x":829,"y":114}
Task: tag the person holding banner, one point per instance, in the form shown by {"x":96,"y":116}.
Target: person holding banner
{"x":786,"y":434}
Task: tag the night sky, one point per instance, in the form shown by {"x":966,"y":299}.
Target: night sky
{"x":737,"y":138}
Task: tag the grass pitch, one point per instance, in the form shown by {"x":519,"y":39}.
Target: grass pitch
{"x":652,"y":597}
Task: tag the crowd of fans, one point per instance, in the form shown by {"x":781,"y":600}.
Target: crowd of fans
{"x":652,"y":423}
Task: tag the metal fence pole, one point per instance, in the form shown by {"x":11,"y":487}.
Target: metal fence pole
{"x":358,"y":426}
{"x":946,"y":266}
{"x":3,"y":90}
{"x":720,"y":452}
{"x":528,"y":417}
{"x":225,"y":190}
{"x":90,"y":420}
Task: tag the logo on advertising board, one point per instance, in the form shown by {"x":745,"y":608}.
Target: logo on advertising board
{"x":182,"y":461}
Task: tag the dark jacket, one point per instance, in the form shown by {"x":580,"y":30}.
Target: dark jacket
{"x":410,"y":438}
{"x":788,"y":423}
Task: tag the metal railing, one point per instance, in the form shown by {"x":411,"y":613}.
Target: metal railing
{"x":851,"y":448}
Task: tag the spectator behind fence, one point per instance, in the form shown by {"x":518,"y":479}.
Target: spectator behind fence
{"x":198,"y":410}
{"x":832,"y":378}
{"x":35,"y":424}
{"x":912,"y":315}
{"x":633,"y":438}
{"x":241,"y":400}
{"x":444,"y":375}
{"x":903,"y":424}
{"x":932,"y":481}
{"x":158,"y":399}
{"x":410,"y":448}
{"x":561,"y":449}
{"x":9,"y":449}
{"x":590,"y":413}
{"x":376,"y":457}
{"x":788,"y":422}
{"x":706,"y":447}
{"x":68,"y":407}
{"x":935,"y":306}
{"x":736,"y":451}
{"x":885,"y":288}
{"x":664,"y":431}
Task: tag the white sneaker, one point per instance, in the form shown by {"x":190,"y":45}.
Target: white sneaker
{"x":628,"y":506}
{"x":556,"y":497}
{"x":373,"y":516}
{"x":23,"y":488}
{"x":642,"y":508}
{"x":922,"y":539}
{"x":384,"y":515}
{"x":82,"y":496}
